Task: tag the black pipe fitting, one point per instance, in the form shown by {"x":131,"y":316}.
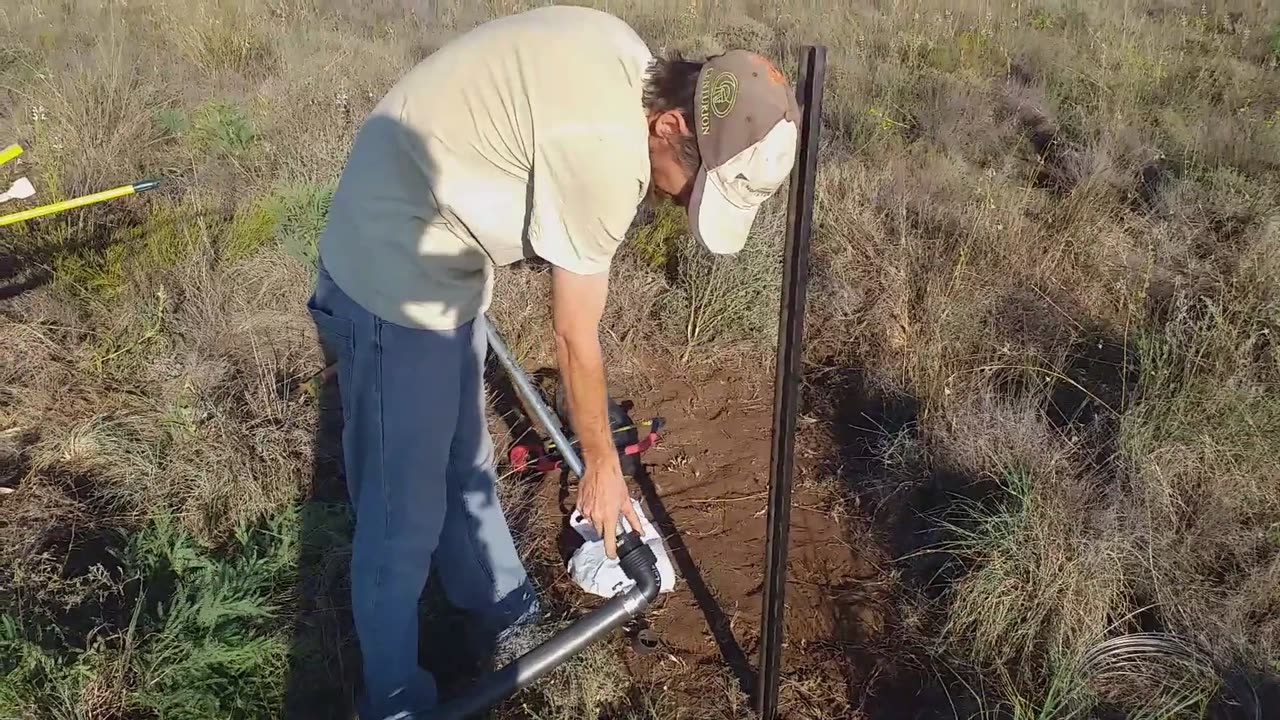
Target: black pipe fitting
{"x":640,"y":564}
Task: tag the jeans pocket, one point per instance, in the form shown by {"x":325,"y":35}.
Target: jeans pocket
{"x":337,"y":340}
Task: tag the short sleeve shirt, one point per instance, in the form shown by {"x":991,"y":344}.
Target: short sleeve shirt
{"x":524,"y":137}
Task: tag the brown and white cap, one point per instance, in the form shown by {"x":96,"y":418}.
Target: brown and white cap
{"x":747,"y":125}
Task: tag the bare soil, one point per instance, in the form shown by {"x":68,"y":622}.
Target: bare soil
{"x":706,"y":488}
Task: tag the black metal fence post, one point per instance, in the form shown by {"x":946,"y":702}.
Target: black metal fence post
{"x":787,"y":388}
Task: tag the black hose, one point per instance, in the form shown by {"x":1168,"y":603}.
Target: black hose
{"x":640,"y":565}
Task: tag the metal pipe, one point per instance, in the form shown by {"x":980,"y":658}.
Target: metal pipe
{"x":532,"y":400}
{"x":639,"y":564}
{"x":787,"y":383}
{"x":634,"y":556}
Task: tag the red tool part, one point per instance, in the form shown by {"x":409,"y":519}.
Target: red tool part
{"x":521,"y":457}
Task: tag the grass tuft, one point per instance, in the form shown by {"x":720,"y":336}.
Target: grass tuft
{"x":221,"y":128}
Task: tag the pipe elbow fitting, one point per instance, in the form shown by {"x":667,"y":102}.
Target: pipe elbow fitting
{"x":639,"y":564}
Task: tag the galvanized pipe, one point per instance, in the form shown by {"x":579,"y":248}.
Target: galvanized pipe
{"x":532,"y":401}
{"x":635,"y":557}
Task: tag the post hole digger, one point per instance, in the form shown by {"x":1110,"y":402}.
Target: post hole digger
{"x":636,"y":557}
{"x":22,"y":189}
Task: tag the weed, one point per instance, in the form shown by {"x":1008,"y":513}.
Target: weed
{"x":213,"y":645}
{"x":656,"y":242}
{"x":173,"y":121}
{"x":205,"y":637}
{"x":221,"y":128}
{"x":299,"y":212}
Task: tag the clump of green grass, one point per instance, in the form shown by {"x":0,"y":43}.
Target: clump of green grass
{"x":169,"y":234}
{"x":252,"y":227}
{"x":221,"y":128}
{"x":291,"y":217}
{"x":207,"y":635}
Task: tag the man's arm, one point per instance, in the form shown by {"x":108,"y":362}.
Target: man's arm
{"x":577,"y":302}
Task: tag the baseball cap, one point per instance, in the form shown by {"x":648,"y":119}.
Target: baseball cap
{"x":747,"y":124}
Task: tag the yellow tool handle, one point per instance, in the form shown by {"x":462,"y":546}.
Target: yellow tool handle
{"x":642,"y":424}
{"x":77,"y":202}
{"x":10,"y":153}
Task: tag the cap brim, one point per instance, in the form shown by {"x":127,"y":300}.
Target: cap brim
{"x":718,"y":224}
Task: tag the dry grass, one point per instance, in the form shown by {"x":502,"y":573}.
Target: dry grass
{"x":1046,"y":246}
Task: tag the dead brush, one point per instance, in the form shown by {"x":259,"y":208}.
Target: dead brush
{"x":93,"y":120}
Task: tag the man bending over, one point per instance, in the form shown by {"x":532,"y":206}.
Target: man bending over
{"x":535,"y":135}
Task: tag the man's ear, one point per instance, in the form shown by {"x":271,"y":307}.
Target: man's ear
{"x":669,"y":124}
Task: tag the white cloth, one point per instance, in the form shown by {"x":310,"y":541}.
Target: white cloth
{"x":598,"y":575}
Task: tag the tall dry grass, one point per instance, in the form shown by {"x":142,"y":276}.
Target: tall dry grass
{"x":1046,"y":242}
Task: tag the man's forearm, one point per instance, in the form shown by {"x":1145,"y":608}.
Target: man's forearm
{"x":582,"y":372}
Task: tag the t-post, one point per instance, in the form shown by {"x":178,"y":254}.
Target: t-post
{"x":786,"y":394}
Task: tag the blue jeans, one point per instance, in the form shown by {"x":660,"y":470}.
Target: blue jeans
{"x":419,"y":473}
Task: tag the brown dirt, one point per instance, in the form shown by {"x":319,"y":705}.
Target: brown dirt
{"x":706,"y":488}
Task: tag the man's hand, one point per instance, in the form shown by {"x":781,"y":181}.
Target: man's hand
{"x":577,"y":301}
{"x":601,"y":495}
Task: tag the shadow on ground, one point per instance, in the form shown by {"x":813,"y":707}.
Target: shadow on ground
{"x":324,"y":662}
{"x":888,"y":673}
{"x":30,"y":257}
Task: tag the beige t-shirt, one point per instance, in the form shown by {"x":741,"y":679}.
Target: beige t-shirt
{"x":524,"y":137}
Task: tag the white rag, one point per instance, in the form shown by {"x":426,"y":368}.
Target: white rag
{"x":598,"y":575}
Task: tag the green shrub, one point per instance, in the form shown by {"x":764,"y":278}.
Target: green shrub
{"x":221,"y":128}
{"x":215,"y":644}
{"x":1042,"y":19}
{"x":34,"y":680}
{"x":299,"y":212}
{"x":206,"y":637}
